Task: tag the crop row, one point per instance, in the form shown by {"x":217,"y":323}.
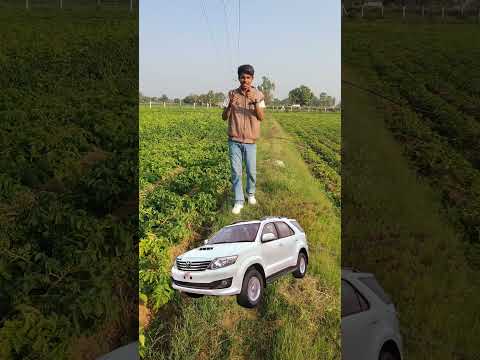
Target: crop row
{"x":436,"y":88}
{"x":318,"y":139}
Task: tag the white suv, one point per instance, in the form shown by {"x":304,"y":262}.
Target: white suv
{"x":370,"y":328}
{"x":242,"y":258}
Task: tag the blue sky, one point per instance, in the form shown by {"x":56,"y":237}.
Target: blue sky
{"x":292,"y":43}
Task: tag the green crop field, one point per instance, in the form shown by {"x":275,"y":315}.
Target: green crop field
{"x":67,"y":248}
{"x":318,"y":138}
{"x":412,"y":123}
{"x":184,"y":174}
{"x":185,"y":196}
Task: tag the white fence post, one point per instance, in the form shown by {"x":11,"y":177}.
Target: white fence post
{"x":61,"y":4}
{"x":443,"y":12}
{"x":404,"y":12}
{"x":362,"y":10}
{"x":27,"y":5}
{"x":164,"y":104}
{"x":194,"y":105}
{"x":150,"y":104}
{"x":423,"y":10}
{"x":382,"y":10}
{"x":131,"y":5}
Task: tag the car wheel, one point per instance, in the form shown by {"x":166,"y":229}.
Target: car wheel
{"x":388,"y":355}
{"x":193,"y":295}
{"x":252,"y":289}
{"x":301,"y":266}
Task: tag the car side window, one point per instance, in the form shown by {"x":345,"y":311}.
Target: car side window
{"x":352,"y":301}
{"x":270,"y":228}
{"x":283,"y":229}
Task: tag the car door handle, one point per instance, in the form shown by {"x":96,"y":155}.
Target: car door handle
{"x":279,"y":244}
{"x":374,"y":322}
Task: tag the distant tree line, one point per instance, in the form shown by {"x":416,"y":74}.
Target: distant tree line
{"x":301,"y":95}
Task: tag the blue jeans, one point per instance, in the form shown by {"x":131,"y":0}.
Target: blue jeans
{"x":238,"y":153}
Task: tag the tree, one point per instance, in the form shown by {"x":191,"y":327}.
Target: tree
{"x":267,"y":88}
{"x":276,"y":102}
{"x":164,"y":98}
{"x":219,"y":97}
{"x":325,"y":100}
{"x":301,"y":95}
{"x":190,"y":99}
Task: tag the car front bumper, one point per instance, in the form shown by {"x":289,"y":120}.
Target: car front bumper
{"x":206,"y":282}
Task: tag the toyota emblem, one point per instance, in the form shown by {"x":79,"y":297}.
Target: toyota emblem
{"x":188,"y":263}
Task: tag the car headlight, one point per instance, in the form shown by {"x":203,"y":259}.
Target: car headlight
{"x":222,"y":262}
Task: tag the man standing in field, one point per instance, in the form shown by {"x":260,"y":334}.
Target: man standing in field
{"x":244,"y":113}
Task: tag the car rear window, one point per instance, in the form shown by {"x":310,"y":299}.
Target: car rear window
{"x":283,"y":229}
{"x":352,"y":301}
{"x":297,"y":225}
{"x":373,"y":285}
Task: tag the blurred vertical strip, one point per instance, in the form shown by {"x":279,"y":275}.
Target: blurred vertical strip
{"x":68,"y":178}
{"x":411,"y":167}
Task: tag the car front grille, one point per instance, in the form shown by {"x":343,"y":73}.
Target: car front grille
{"x":186,"y":265}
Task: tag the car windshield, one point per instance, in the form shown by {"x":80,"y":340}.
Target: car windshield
{"x":237,"y":233}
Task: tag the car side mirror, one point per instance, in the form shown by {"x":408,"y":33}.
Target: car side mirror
{"x":268,"y":237}
{"x":205,"y":242}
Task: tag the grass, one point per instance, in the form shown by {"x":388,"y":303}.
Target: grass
{"x":298,"y":319}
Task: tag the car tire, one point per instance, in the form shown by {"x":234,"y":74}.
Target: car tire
{"x":252,"y":289}
{"x":388,"y":355}
{"x":302,"y":264}
{"x":193,"y":295}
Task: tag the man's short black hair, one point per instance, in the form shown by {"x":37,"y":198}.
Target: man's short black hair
{"x":245,"y":69}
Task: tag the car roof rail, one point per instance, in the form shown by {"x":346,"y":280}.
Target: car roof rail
{"x":275,"y":217}
{"x":239,"y":221}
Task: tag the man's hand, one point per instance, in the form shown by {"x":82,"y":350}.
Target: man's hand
{"x":226,"y":111}
{"x":231,"y":97}
{"x":250,"y":96}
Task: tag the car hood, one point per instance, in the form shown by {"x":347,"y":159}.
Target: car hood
{"x":217,"y":250}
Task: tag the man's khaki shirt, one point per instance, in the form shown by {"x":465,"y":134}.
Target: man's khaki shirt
{"x":243,"y":125}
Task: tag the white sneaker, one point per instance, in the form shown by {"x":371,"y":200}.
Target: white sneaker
{"x":252,"y":200}
{"x":237,"y":208}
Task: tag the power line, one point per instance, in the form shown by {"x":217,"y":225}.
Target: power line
{"x":212,"y":37}
{"x":238,"y":43}
{"x":227,"y":33}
